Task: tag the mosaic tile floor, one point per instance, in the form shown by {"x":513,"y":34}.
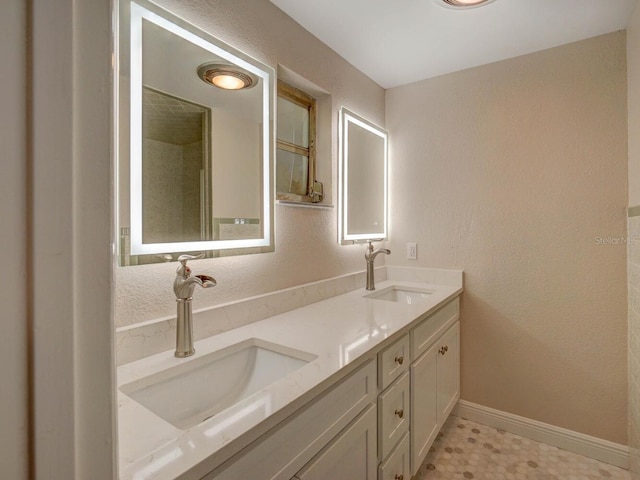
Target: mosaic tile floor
{"x":467,"y":450}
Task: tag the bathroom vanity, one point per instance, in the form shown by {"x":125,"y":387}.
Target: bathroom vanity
{"x":352,"y":387}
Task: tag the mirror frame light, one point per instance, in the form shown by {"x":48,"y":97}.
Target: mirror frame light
{"x":202,"y":39}
{"x":347,"y":117}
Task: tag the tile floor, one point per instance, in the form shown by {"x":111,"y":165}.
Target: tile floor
{"x":468,"y":450}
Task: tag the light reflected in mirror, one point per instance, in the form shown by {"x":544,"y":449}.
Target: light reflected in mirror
{"x":363,"y":179}
{"x":194,"y":160}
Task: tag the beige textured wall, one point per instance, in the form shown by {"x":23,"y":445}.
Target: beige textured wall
{"x":14,"y":240}
{"x":510,"y":171}
{"x":633,"y":59}
{"x":306,"y":239}
{"x":634,"y":346}
{"x":633,"y":99}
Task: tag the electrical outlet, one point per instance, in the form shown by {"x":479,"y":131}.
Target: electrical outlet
{"x":412,"y":251}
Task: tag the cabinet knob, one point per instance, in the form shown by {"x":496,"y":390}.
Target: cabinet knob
{"x":443,"y":350}
{"x":399,"y":360}
{"x":399,"y":477}
{"x":399,"y":413}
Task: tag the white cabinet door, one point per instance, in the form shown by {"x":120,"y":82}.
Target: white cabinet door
{"x":349,"y":456}
{"x":423,"y":335}
{"x":424,"y":418}
{"x":448,"y":372}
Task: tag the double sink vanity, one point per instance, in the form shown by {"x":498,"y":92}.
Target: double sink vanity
{"x":355,"y":386}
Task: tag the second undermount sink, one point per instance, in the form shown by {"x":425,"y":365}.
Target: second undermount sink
{"x":408,"y":295}
{"x":188,"y":394}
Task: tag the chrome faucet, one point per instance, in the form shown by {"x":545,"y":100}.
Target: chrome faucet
{"x":183,"y":287}
{"x":370,"y":256}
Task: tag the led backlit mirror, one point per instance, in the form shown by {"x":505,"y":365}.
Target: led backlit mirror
{"x":363,"y":179}
{"x":195,"y":146}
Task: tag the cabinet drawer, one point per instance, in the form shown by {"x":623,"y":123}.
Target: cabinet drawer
{"x":429,"y":329}
{"x":393,"y":415}
{"x":288,"y":447}
{"x":393,"y":361}
{"x":396,"y":467}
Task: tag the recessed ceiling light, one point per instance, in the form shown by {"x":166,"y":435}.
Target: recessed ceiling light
{"x":464,"y":3}
{"x":227,"y":77}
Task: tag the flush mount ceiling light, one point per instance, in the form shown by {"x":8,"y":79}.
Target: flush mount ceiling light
{"x":464,"y":3}
{"x":227,"y":77}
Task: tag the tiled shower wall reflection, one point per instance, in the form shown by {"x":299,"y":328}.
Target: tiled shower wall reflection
{"x":171,"y":191}
{"x":634,"y":341}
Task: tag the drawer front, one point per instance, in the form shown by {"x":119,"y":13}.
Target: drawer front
{"x":393,"y":361}
{"x":393,"y":415}
{"x":430,"y":328}
{"x":288,"y":447}
{"x":396,"y":467}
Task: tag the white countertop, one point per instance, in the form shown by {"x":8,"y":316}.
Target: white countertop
{"x":341,"y":331}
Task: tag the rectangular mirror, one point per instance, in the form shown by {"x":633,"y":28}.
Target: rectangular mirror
{"x":363,"y":179}
{"x":195,"y":141}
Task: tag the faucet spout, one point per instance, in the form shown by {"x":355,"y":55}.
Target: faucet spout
{"x":370,"y":256}
{"x":183,"y":287}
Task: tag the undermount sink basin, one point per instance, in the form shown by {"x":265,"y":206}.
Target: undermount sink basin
{"x":408,"y":295}
{"x":190,"y":393}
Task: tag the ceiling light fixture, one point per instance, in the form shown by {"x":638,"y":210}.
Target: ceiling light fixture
{"x":227,"y":77}
{"x":465,"y":3}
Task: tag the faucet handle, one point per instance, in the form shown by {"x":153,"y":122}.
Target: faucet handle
{"x":183,"y":258}
{"x":183,"y":269}
{"x":370,"y":242}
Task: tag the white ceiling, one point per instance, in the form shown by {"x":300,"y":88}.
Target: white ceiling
{"x":402,"y":41}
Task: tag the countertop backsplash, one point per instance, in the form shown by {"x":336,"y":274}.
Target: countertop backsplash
{"x":140,"y":340}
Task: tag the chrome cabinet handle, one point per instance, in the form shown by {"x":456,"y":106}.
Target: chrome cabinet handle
{"x":399,"y":360}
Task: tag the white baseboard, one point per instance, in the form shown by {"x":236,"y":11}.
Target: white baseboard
{"x":596,"y":448}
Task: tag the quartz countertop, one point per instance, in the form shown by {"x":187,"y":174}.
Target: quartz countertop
{"x":342,"y":332}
